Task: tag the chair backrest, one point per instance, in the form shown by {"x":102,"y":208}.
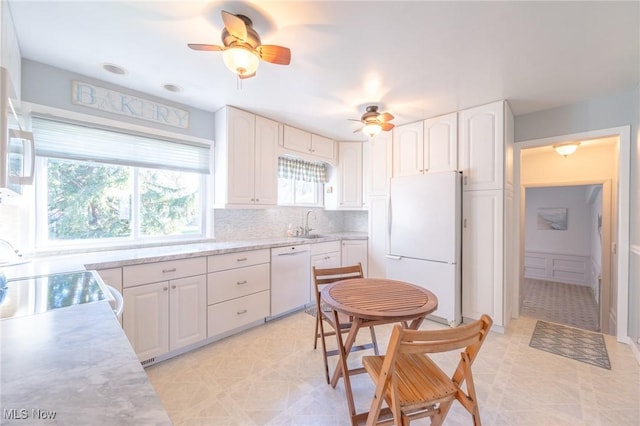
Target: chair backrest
{"x":469,"y":336}
{"x":324,"y":276}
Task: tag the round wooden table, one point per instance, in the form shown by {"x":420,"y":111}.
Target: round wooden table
{"x":370,"y":302}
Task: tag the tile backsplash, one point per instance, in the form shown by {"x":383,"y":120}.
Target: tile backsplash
{"x":252,"y":224}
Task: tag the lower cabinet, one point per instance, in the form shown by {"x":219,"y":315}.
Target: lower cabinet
{"x":323,"y":255}
{"x":354,"y":251}
{"x":237,"y":290}
{"x":165,"y":316}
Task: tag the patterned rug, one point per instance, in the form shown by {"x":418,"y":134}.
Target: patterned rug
{"x":581,"y":345}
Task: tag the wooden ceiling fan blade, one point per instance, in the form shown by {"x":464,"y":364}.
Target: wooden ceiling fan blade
{"x":358,"y":130}
{"x":386,"y":126}
{"x":274,"y":54}
{"x":206,"y":47}
{"x":385,"y":116}
{"x":235,"y":26}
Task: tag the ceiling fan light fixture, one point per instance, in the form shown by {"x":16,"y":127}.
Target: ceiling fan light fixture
{"x":240,"y":60}
{"x":566,"y":149}
{"x":371,"y":129}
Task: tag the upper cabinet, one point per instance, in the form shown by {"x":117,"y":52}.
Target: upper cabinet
{"x":309,"y":144}
{"x":426,"y":146}
{"x":379,"y":169}
{"x":345,"y":187}
{"x":441,"y":143}
{"x":482,"y":146}
{"x":246,"y":159}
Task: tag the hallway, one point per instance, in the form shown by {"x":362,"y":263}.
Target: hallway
{"x":561,"y":303}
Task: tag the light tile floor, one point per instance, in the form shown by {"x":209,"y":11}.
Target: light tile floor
{"x":270,"y":375}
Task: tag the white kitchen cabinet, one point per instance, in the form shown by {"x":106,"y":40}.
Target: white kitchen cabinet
{"x":482,"y":146}
{"x":245,"y":159}
{"x":354,"y":251}
{"x":310,"y":144}
{"x":482,"y":255}
{"x":165,"y":305}
{"x":426,"y":146}
{"x":238,"y":290}
{"x":380,"y":159}
{"x":346,"y":181}
{"x":323,"y":255}
{"x":441,"y":143}
{"x":378,"y":244}
{"x":408,"y":149}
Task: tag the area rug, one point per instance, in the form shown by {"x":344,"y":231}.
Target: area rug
{"x":580,"y":345}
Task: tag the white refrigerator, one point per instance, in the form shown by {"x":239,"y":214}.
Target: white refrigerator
{"x":424,"y":238}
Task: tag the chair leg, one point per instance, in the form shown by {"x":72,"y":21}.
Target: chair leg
{"x":315,"y":335}
{"x":374,"y":341}
{"x":324,"y":347}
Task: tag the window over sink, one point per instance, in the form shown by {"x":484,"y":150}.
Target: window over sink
{"x":101,"y":186}
{"x":300,"y":182}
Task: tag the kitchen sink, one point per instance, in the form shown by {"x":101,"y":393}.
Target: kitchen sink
{"x":309,"y":236}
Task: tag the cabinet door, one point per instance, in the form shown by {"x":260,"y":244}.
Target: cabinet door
{"x":408,"y":149}
{"x":188,"y":307}
{"x":241,"y":128}
{"x":324,"y":260}
{"x":441,"y":143}
{"x":146,"y":319}
{"x":380,"y":164}
{"x":266,"y":161}
{"x":378,"y":243}
{"x":482,"y":259}
{"x":297,"y":140}
{"x":350,"y":173}
{"x":323,"y":147}
{"x":481,"y":146}
{"x":354,"y":251}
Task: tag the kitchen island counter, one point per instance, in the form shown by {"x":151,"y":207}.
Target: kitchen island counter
{"x":74,"y":366}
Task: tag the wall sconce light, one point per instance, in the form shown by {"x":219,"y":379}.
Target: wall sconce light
{"x":566,"y":149}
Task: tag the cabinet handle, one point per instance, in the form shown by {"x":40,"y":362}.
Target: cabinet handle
{"x":257,"y":200}
{"x":241,"y":282}
{"x":241,"y":259}
{"x":465,"y":180}
{"x":244,"y":311}
{"x":253,"y":199}
{"x":464,"y":223}
{"x":165,"y":288}
{"x":165,"y":271}
{"x":173,"y":286}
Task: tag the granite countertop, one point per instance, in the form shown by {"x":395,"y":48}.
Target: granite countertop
{"x":57,"y":368}
{"x":132,"y":256}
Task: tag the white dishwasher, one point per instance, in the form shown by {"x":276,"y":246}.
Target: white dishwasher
{"x":290,"y":275}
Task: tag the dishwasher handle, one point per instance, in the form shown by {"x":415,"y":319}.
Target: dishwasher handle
{"x":291,"y":253}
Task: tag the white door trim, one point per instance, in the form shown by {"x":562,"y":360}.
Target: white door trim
{"x":624,"y":174}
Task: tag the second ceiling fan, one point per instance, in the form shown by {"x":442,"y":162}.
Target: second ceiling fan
{"x":374,"y":121}
{"x":242,"y":49}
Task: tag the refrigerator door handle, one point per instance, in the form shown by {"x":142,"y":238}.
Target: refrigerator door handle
{"x":391,"y":256}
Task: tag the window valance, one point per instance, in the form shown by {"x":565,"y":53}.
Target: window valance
{"x":297,"y":169}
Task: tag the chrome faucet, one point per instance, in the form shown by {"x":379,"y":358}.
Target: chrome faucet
{"x":306,"y":229}
{"x":8,"y":245}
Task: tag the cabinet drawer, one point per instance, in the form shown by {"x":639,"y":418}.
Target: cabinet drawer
{"x":162,"y":271}
{"x":326,"y":247}
{"x":234,"y":283}
{"x":235,"y":313}
{"x":221,"y":262}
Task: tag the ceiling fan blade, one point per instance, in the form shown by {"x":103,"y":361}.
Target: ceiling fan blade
{"x":235,"y":26}
{"x":385,"y":116}
{"x":207,"y":47}
{"x":387,"y":126}
{"x":245,"y":76}
{"x":358,"y":130}
{"x":275,"y":54}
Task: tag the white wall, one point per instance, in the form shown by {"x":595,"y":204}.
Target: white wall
{"x":576,"y":239}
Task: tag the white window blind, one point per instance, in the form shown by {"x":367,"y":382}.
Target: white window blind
{"x":79,"y":142}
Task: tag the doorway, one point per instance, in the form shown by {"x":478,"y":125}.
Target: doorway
{"x":581,"y":169}
{"x":563,"y":259}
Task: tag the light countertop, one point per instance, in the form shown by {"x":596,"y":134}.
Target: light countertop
{"x":75,"y":362}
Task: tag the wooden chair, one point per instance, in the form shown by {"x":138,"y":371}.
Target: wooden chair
{"x":413,"y":386}
{"x":322,"y":277}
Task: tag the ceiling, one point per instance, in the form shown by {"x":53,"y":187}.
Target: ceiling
{"x":416,"y":59}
